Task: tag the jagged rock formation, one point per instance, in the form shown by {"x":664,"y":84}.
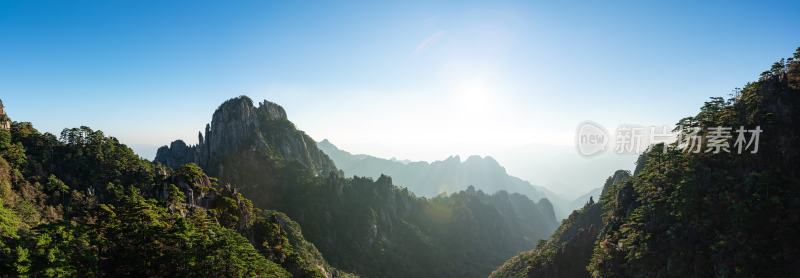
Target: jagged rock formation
{"x":240,"y":128}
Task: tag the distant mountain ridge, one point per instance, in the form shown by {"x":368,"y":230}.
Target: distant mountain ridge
{"x":580,"y":201}
{"x":444,"y":176}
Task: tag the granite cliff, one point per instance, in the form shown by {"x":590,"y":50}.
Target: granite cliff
{"x":239,"y":128}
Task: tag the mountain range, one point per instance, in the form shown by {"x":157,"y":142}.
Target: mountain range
{"x":364,"y":225}
{"x":256,"y":197}
{"x":444,"y":176}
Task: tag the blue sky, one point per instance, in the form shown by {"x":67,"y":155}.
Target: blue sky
{"x":416,"y":80}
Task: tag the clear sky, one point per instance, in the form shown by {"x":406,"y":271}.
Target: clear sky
{"x":412,"y":80}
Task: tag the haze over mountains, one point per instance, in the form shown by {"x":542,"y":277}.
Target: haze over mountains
{"x":555,"y":166}
{"x":445,"y":176}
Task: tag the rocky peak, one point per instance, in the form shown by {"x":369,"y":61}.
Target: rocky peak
{"x":231,"y":123}
{"x":177,"y":154}
{"x":239,"y":128}
{"x":486,"y":160}
{"x":453,"y":159}
{"x":273,"y":111}
{"x":234,"y":109}
{"x":178,"y":145}
{"x":327,"y":144}
{"x":619,"y":176}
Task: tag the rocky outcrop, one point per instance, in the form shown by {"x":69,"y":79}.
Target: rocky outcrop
{"x":237,"y":127}
{"x":177,"y":154}
{"x":5,"y":122}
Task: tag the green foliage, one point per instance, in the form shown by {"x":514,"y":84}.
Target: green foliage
{"x":15,"y":154}
{"x":102,"y":210}
{"x":709,"y":214}
{"x":5,"y":139}
{"x":6,"y":192}
{"x":189,"y":172}
{"x":376,"y":229}
{"x":703,"y":214}
{"x":176,"y":196}
{"x":62,"y":249}
{"x":146,"y":240}
{"x":9,"y":223}
{"x":56,"y":185}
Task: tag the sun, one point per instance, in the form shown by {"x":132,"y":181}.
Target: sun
{"x":473,"y":94}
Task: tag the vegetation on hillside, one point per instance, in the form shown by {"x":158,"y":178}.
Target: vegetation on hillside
{"x":82,"y":204}
{"x":570,"y":247}
{"x":724,"y":214}
{"x":706,"y":214}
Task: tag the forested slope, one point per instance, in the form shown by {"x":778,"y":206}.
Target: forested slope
{"x":699,"y":212}
{"x":82,"y":204}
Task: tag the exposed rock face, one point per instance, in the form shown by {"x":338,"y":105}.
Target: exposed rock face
{"x":5,"y":122}
{"x":238,"y":127}
{"x":178,"y":153}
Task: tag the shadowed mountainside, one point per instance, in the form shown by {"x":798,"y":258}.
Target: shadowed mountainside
{"x":687,"y":213}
